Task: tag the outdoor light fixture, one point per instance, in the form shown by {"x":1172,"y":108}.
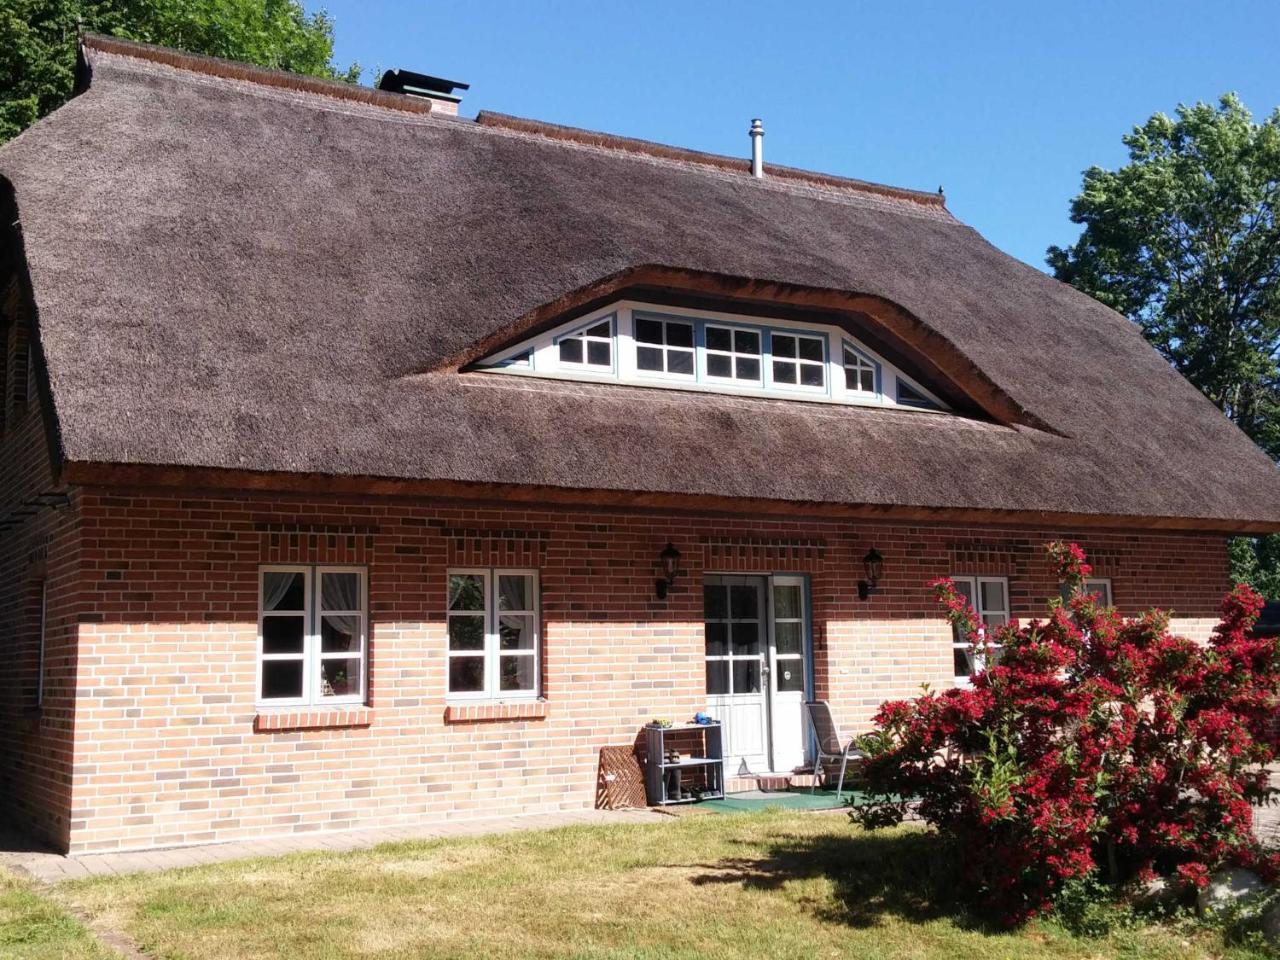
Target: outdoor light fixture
{"x":873,"y":564}
{"x":670,"y":559}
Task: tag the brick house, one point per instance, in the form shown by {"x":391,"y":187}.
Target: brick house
{"x":343,"y":440}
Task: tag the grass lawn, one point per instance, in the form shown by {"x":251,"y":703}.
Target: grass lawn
{"x":33,"y":928}
{"x":772,"y":884}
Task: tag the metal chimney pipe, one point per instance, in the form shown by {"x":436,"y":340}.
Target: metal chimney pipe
{"x":757,"y":148}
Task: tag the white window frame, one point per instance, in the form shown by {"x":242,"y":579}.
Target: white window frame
{"x":1093,"y":585}
{"x":860,"y":363}
{"x":493,"y":653}
{"x":665,"y":348}
{"x":734,"y":355}
{"x":44,"y":622}
{"x":579,"y":332}
{"x":799,"y":362}
{"x":974,"y":582}
{"x":312,"y":652}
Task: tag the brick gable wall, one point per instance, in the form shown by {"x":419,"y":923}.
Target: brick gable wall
{"x":170,"y":748}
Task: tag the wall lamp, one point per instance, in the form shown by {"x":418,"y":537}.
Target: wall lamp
{"x":670,"y":560}
{"x":873,"y":565}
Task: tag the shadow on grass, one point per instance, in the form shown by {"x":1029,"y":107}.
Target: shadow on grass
{"x":910,"y":874}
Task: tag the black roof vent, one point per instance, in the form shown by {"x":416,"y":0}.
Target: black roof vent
{"x":439,"y":92}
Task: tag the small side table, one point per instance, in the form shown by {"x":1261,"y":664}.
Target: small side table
{"x":663,"y":780}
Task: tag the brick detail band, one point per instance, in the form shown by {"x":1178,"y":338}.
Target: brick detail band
{"x":485,"y":712}
{"x":313,"y":719}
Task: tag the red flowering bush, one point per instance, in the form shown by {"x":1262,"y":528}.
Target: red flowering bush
{"x":1090,"y":744}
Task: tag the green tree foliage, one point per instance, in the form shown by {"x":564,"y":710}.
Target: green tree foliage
{"x":38,"y":42}
{"x":1184,"y":240}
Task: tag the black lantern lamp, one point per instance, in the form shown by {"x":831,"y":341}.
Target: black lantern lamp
{"x":873,"y":566}
{"x":670,"y":560}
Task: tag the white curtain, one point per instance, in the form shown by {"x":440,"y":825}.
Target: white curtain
{"x":274,"y":586}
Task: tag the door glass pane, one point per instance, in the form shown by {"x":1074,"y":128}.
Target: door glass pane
{"x":338,"y":633}
{"x":339,"y":677}
{"x":717,"y":676}
{"x":466,"y":591}
{"x":516,"y":673}
{"x":788,"y":637}
{"x":786,"y":601}
{"x":746,"y":676}
{"x":282,"y":591}
{"x":282,"y":634}
{"x":466,"y":632}
{"x":717,"y":639}
{"x":790,"y":675}
{"x":746,"y":639}
{"x":339,"y":591}
{"x":281,"y":678}
{"x":993,"y":596}
{"x":515,"y":632}
{"x":742,"y":602}
{"x":714,"y":603}
{"x":466,"y":674}
{"x":515,"y":593}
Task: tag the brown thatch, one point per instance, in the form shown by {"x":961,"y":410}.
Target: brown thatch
{"x":231,"y":273}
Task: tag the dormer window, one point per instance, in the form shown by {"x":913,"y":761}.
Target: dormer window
{"x":704,"y":350}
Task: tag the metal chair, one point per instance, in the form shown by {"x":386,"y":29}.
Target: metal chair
{"x":831,"y":744}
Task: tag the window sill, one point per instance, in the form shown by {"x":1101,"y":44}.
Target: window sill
{"x":487,"y":711}
{"x":312,"y":718}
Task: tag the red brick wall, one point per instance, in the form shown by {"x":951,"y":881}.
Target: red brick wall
{"x":167,"y":747}
{"x":36,"y":542}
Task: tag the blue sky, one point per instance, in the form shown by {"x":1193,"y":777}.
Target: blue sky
{"x":1002,"y":104}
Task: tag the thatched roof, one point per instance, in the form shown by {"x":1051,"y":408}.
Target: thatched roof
{"x":234,"y":270}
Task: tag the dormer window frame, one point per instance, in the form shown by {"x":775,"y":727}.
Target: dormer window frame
{"x":539,"y":356}
{"x":580,"y":332}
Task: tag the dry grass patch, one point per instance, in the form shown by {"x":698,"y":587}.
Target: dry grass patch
{"x":32,"y":927}
{"x":778,"y":885}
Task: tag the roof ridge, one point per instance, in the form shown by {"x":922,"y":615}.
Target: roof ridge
{"x":594,"y":138}
{"x":264,"y":76}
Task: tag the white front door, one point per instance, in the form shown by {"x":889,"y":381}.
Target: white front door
{"x":756,"y":654}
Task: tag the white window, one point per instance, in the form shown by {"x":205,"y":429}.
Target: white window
{"x":799,"y":361}
{"x":493,"y":634}
{"x":664,"y":346}
{"x":989,"y":596}
{"x":733,"y":355}
{"x":590,"y":348}
{"x":1096,"y":585}
{"x":860,"y":373}
{"x":43,"y":613}
{"x":312,"y":635}
{"x":911,"y":396}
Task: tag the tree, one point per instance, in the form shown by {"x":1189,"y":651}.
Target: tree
{"x":38,"y":42}
{"x":1184,"y":240}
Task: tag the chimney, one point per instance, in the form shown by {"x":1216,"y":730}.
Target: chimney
{"x":439,"y":92}
{"x":757,"y":148}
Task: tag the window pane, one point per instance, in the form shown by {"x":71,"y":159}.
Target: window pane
{"x":965,"y":589}
{"x":717,"y":338}
{"x":786,"y":601}
{"x":281,"y":678}
{"x":680,"y":334}
{"x":746,"y":676}
{"x":516,"y":673}
{"x":810,"y":349}
{"x":788,"y":637}
{"x":282,"y":591}
{"x":961,"y":658}
{"x":283,"y":634}
{"x":598,"y":354}
{"x":570,"y":351}
{"x":746,"y":341}
{"x":466,"y":674}
{"x":515,"y":592}
{"x":515,"y":632}
{"x":717,"y":676}
{"x":743,"y":603}
{"x":717,"y":639}
{"x":339,"y":678}
{"x":466,"y":632}
{"x":867,"y":379}
{"x":340,"y":591}
{"x":784,"y":346}
{"x":784,"y":372}
{"x":748,"y":369}
{"x":993,"y":596}
{"x":746,"y":639}
{"x":715,"y":601}
{"x":790,"y":675}
{"x":601,"y":329}
{"x":648,"y":358}
{"x":466,"y":591}
{"x":680,"y":361}
{"x":718,"y":365}
{"x":811,"y":376}
{"x":338,"y":634}
{"x":648,"y":331}
{"x":993,"y":620}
